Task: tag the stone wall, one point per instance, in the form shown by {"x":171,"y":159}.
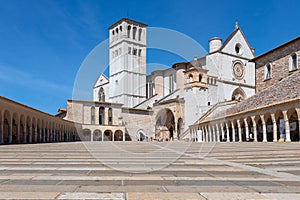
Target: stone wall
{"x":279,"y":59}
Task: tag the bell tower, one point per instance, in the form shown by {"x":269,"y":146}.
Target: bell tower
{"x":127,"y":60}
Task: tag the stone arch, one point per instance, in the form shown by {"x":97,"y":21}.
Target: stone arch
{"x":200,"y":78}
{"x":15,"y":124}
{"x":97,"y":135}
{"x":108,"y":135}
{"x":238,"y":94}
{"x":101,"y":94}
{"x":118,"y":135}
{"x":250,"y":129}
{"x":190,"y":78}
{"x":134,"y":30}
{"x":294,"y":124}
{"x":6,"y":126}
{"x":140,"y":34}
{"x":86,"y":135}
{"x":165,"y":124}
{"x":101,"y":115}
{"x":128,"y":31}
{"x":259,"y":128}
{"x":280,"y":124}
{"x":269,"y":126}
{"x":141,"y":135}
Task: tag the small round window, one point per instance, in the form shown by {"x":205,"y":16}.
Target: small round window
{"x":238,"y":49}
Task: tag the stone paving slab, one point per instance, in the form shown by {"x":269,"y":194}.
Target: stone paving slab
{"x":164,"y":196}
{"x":174,"y":171}
{"x":28,"y":195}
{"x":235,"y":195}
{"x":85,"y":195}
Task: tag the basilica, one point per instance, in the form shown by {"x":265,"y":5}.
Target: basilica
{"x":129,"y":104}
{"x":227,"y":95}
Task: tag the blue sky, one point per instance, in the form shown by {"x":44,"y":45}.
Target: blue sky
{"x":43,"y":43}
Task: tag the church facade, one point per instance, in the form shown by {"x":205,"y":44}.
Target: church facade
{"x":131,"y":105}
{"x":227,"y":95}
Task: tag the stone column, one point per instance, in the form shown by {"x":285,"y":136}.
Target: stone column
{"x":287,"y":126}
{"x":102,"y":133}
{"x":123,"y":136}
{"x":175,"y":129}
{"x":227,"y":132}
{"x":213,"y":133}
{"x":233,"y":132}
{"x":274,"y":127}
{"x":206,"y":134}
{"x":247,"y":129}
{"x":264,"y":128}
{"x":92,"y":136}
{"x":254,"y":128}
{"x":113,"y":137}
{"x":210,"y":133}
{"x":239,"y":130}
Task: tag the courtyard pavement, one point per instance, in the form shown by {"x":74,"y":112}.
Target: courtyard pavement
{"x":140,"y":170}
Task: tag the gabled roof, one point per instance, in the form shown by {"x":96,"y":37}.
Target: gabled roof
{"x":101,"y":75}
{"x":237,"y":28}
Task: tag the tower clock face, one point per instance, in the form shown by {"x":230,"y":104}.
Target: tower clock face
{"x":238,"y":70}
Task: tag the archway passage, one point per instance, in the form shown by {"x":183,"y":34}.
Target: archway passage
{"x":142,"y":136}
{"x":118,"y":135}
{"x":165,"y":123}
{"x":97,"y":135}
{"x":294,"y":124}
{"x":86,"y":135}
{"x":107,"y":136}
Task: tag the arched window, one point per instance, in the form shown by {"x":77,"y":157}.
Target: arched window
{"x":200,"y":78}
{"x":101,"y":95}
{"x":101,"y":115}
{"x":134,"y":32}
{"x":110,"y":116}
{"x":238,"y":94}
{"x":93,"y":115}
{"x":140,"y":34}
{"x":268,"y":71}
{"x":190,"y":78}
{"x":294,"y":62}
{"x":128,"y":31}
